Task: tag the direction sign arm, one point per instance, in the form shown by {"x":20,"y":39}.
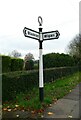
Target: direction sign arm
{"x":51,"y":35}
{"x":31,"y":33}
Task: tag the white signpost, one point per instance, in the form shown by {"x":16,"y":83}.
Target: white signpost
{"x":40,"y":36}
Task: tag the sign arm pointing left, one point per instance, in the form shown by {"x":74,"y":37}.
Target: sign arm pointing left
{"x":31,"y":33}
{"x":24,"y":31}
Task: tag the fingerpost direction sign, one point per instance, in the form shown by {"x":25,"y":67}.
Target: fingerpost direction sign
{"x":41,"y":36}
{"x":46,"y":35}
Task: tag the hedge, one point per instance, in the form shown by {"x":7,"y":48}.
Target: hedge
{"x":16,"y":64}
{"x":11,"y":64}
{"x":58,"y":60}
{"x":0,"y":64}
{"x":6,"y":64}
{"x":52,"y":74}
{"x":16,"y":82}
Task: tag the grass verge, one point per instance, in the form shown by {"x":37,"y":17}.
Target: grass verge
{"x":52,"y":92}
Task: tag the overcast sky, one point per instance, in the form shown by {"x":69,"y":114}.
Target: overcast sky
{"x":61,"y":15}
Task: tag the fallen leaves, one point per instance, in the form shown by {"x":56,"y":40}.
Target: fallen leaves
{"x":50,"y":113}
{"x":23,"y":110}
{"x":16,"y":105}
{"x":33,"y":112}
{"x":17,"y":115}
{"x":42,"y":116}
{"x":4,"y":109}
{"x":37,"y":111}
{"x":50,"y":105}
{"x":9,"y":110}
{"x":15,"y":109}
{"x":55,"y":100}
{"x":69,"y":116}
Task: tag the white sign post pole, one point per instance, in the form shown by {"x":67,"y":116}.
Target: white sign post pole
{"x":41,"y":93}
{"x":41,"y":86}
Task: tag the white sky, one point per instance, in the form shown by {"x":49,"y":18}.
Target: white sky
{"x":61,"y":15}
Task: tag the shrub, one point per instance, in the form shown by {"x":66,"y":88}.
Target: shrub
{"x":0,"y":64}
{"x":16,"y":64}
{"x":16,"y":82}
{"x":6,"y":64}
{"x":52,"y":74}
{"x":58,"y":60}
{"x":29,"y":65}
{"x":11,"y":64}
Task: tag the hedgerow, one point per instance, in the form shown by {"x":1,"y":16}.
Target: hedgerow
{"x":16,"y":64}
{"x":16,"y":82}
{"x":11,"y":64}
{"x":6,"y":63}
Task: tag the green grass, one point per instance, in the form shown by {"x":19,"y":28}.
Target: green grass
{"x":52,"y":92}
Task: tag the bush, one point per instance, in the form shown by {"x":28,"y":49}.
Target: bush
{"x":58,"y":60}
{"x":52,"y":74}
{"x":16,"y":64}
{"x":29,"y":65}
{"x":16,"y":82}
{"x":11,"y":64}
{"x":6,"y":64}
{"x":0,"y":64}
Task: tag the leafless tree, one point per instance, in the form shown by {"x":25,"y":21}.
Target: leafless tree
{"x":15,"y":54}
{"x":74,"y":47}
{"x":28,"y":61}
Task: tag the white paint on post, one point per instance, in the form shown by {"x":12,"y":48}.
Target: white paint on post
{"x":41,"y":36}
{"x":40,"y":59}
{"x":40,"y":69}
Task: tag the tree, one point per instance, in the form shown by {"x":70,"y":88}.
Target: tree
{"x":28,"y":57}
{"x":29,"y":61}
{"x":74,"y":48}
{"x":57,"y":60}
{"x":15,"y":54}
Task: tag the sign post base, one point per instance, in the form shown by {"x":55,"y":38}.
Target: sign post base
{"x":41,"y":94}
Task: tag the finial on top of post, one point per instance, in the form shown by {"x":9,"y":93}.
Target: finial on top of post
{"x":40,"y":20}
